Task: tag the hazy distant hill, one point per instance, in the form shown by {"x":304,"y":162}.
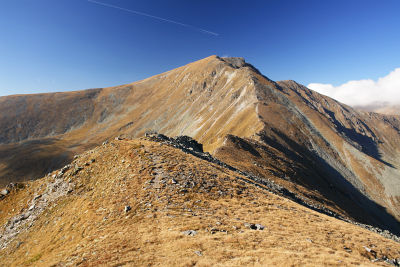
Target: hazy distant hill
{"x":384,"y":108}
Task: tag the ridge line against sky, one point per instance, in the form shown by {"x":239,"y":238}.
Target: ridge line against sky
{"x":69,"y":45}
{"x":154,"y":17}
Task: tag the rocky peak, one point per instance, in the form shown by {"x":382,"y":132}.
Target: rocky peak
{"x":238,"y":62}
{"x":235,"y":62}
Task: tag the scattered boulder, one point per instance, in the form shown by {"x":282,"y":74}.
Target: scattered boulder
{"x":189,"y":143}
{"x":183,"y":142}
{"x":156,"y":136}
{"x":190,"y":232}
{"x":215,"y":230}
{"x":371,"y":251}
{"x":76,"y":170}
{"x":255,"y":226}
{"x":5,"y":192}
{"x":127,"y":208}
{"x":17,"y":186}
{"x":65,"y":168}
{"x":259,"y":226}
{"x":347,"y":249}
{"x":21,"y":217}
{"x":198,"y":253}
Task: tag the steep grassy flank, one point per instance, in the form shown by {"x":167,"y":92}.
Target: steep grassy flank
{"x":319,"y":148}
{"x":206,"y":99}
{"x":77,"y":216}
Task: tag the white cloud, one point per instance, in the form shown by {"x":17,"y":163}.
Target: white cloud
{"x":364,"y":92}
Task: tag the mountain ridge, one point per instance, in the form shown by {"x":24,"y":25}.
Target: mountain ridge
{"x":125,"y":202}
{"x":323,"y":150}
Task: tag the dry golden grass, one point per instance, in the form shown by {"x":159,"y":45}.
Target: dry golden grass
{"x":207,"y":100}
{"x":199,"y":99}
{"x":170,"y":192}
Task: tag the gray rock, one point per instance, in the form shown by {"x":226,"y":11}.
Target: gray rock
{"x":5,"y":192}
{"x":76,"y":170}
{"x":198,"y":253}
{"x":259,"y":226}
{"x":215,"y":230}
{"x":21,"y":217}
{"x":367,"y":249}
{"x":65,"y":168}
{"x":373,"y":252}
{"x":236,"y":62}
{"x":347,"y":249}
{"x":254,"y":226}
{"x":127,"y":208}
{"x":190,"y":232}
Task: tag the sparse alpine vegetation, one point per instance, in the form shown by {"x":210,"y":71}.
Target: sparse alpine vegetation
{"x":183,"y":210}
{"x":256,"y":165}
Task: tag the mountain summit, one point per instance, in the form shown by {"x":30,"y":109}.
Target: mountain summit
{"x":325,"y":154}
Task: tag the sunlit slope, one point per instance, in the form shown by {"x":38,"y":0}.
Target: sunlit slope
{"x":328,"y":152}
{"x":318,"y":148}
{"x":206,"y":99}
{"x":182,"y":211}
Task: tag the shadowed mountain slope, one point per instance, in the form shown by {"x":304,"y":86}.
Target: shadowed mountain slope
{"x":323,"y":151}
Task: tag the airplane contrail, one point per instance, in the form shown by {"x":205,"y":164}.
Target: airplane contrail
{"x":155,"y":17}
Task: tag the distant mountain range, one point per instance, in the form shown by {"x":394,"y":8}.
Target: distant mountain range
{"x":381,"y":107}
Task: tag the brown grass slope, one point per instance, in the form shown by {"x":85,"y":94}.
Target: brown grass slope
{"x":76,"y":216}
{"x":206,"y":99}
{"x":325,"y":152}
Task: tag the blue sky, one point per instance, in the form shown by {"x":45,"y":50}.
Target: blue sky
{"x":60,"y":45}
